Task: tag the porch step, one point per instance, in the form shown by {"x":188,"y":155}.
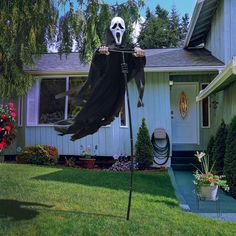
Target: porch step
{"x":183,"y":167}
{"x":184,"y":160}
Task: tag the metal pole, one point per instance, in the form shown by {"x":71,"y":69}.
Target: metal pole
{"x":125,"y":72}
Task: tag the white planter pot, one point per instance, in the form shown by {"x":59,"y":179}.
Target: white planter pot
{"x":208,"y":193}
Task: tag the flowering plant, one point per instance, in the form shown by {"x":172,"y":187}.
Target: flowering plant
{"x":205,"y":175}
{"x":7,"y":125}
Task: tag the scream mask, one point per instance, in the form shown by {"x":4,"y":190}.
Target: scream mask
{"x":117,"y":29}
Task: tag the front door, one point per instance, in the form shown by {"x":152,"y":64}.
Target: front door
{"x":184,"y":113}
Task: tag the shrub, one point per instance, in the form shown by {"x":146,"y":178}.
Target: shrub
{"x":143,"y":146}
{"x":230,"y":157}
{"x":209,"y":150}
{"x":7,"y":125}
{"x":39,"y":155}
{"x":218,"y":150}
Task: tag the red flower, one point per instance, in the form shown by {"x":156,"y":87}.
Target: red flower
{"x":10,"y":105}
{"x":3,"y":117}
{"x":13,"y":115}
{"x":0,"y":129}
{"x":8,"y":128}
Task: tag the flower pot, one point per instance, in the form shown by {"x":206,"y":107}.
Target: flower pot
{"x":208,"y":192}
{"x":87,"y":163}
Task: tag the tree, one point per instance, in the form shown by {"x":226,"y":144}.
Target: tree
{"x":143,"y":147}
{"x":218,"y":150}
{"x":184,"y":25}
{"x":162,"y":29}
{"x":28,"y":26}
{"x":175,"y":29}
{"x":209,"y":150}
{"x":230,"y":157}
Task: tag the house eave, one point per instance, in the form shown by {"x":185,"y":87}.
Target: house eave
{"x":193,"y":22}
{"x":222,"y":80}
{"x":183,"y":68}
{"x":146,"y":69}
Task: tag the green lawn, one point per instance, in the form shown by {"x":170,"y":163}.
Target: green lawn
{"x":51,"y":201}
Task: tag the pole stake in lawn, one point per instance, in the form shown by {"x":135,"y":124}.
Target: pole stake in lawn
{"x":124,"y":68}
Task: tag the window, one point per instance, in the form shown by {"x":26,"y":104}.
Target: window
{"x":205,"y":110}
{"x":123,"y":114}
{"x":52,"y":109}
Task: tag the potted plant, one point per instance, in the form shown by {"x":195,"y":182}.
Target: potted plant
{"x":86,"y":161}
{"x":206,"y":182}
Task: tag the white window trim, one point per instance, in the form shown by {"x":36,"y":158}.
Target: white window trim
{"x":126,"y":115}
{"x":209,"y":110}
{"x":20,"y":111}
{"x":37,"y":103}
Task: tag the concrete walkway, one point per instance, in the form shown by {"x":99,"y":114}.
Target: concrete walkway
{"x":184,"y":187}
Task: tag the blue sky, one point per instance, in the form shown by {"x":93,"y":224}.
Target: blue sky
{"x":183,"y":6}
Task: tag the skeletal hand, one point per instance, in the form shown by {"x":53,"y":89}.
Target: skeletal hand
{"x":103,"y":50}
{"x":138,"y":52}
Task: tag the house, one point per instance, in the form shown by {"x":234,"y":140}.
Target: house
{"x":203,"y":69}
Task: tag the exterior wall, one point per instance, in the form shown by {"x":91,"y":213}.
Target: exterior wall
{"x":226,"y":107}
{"x":215,"y":39}
{"x":205,"y":133}
{"x":115,"y":139}
{"x":222,"y":35}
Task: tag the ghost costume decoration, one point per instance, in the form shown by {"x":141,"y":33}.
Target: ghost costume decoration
{"x":102,"y":96}
{"x":117,"y":29}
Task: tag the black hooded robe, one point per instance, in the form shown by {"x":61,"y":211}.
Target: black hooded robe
{"x":102,"y":95}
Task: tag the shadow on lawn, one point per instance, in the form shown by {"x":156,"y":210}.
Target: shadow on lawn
{"x":16,"y":210}
{"x":144,"y":182}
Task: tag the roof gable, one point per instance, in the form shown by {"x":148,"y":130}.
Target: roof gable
{"x":201,"y":22}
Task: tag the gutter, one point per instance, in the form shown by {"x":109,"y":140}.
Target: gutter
{"x":184,"y":68}
{"x":219,"y":80}
{"x":146,"y":69}
{"x":196,"y":12}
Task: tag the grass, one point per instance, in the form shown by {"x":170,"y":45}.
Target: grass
{"x":48,"y":201}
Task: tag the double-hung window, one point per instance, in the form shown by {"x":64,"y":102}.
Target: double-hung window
{"x":48,"y":101}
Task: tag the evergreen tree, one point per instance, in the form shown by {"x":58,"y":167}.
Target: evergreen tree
{"x":209,"y":150}
{"x":184,"y":28}
{"x":218,"y":150}
{"x":175,"y":29}
{"x":143,"y":147}
{"x":230,"y":157}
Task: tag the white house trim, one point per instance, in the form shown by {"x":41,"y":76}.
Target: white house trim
{"x":194,"y":19}
{"x":188,"y":68}
{"x":220,"y":79}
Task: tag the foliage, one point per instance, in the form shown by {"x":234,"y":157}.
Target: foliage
{"x":209,"y":150}
{"x":39,"y":155}
{"x":7,"y":125}
{"x":205,"y":175}
{"x":70,"y":161}
{"x":163,"y":29}
{"x":219,"y":148}
{"x":143,"y":146}
{"x":28,"y":27}
{"x":230,"y":157}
